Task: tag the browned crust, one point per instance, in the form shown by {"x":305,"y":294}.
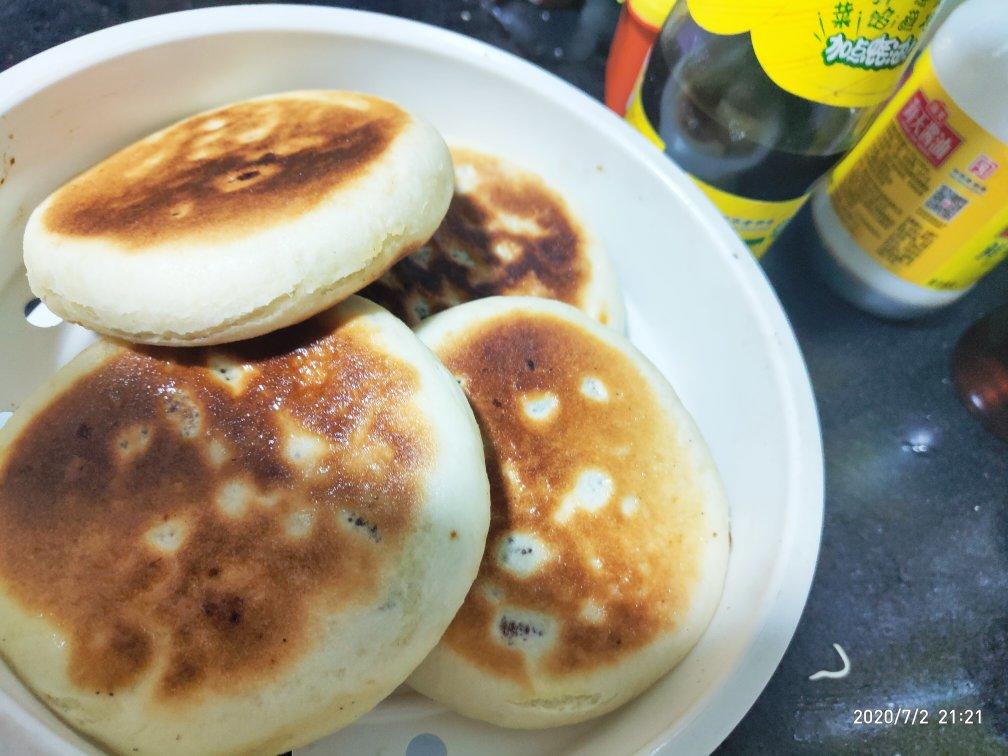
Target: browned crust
{"x":510,"y":234}
{"x":267,"y":161}
{"x":151,"y":439}
{"x":648,"y":559}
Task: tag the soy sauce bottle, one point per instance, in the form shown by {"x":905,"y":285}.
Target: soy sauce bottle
{"x":756,"y":101}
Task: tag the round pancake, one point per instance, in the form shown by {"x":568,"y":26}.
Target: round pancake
{"x":609,"y":534}
{"x":240,"y":220}
{"x":506,"y":233}
{"x":237,"y":549}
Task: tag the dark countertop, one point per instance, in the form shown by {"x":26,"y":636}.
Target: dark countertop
{"x":913,"y":573}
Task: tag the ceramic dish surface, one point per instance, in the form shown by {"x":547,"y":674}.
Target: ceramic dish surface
{"x":698,"y":306}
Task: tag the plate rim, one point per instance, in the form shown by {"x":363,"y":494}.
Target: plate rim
{"x":715,"y":715}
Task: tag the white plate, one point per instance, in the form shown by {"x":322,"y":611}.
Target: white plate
{"x":699,"y":306}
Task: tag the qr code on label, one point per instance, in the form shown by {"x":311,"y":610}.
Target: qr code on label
{"x":945,"y":203}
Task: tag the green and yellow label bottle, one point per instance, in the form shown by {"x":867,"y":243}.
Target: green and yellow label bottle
{"x":756,"y":99}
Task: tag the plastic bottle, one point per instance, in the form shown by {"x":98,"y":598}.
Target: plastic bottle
{"x":757,"y":100}
{"x":637,"y":28}
{"x":918,"y":211}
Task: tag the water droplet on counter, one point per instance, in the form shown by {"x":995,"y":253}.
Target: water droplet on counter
{"x":919,"y":442}
{"x":558,"y":53}
{"x":465,"y":16}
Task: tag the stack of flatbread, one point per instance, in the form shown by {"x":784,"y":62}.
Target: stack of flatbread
{"x":260,"y":502}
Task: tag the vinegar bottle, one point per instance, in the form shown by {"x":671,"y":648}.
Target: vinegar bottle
{"x":757,"y":100}
{"x":918,"y":212}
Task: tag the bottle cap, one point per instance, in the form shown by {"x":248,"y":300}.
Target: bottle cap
{"x":651,"y":12}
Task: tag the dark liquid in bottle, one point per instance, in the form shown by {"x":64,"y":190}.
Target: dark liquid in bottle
{"x":725,"y":122}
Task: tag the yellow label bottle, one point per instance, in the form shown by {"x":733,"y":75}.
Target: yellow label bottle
{"x":756,"y":99}
{"x":918,"y":211}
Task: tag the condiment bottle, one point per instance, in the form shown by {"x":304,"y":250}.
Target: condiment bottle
{"x":757,"y":100}
{"x":918,"y":211}
{"x":980,"y":371}
{"x":637,"y":28}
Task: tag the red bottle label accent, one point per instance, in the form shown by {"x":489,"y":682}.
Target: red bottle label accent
{"x":925,"y":124}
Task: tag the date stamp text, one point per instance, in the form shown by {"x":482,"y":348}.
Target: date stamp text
{"x":916,"y":716}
